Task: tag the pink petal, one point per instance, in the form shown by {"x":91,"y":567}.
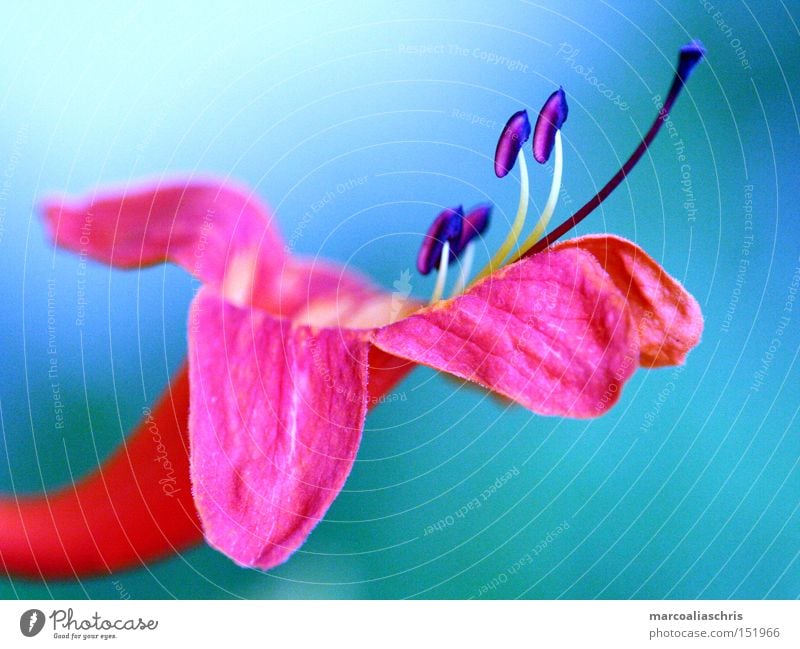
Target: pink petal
{"x":275,"y":421}
{"x":216,"y":230}
{"x":223,"y":235}
{"x":551,"y":332}
{"x":667,"y":316}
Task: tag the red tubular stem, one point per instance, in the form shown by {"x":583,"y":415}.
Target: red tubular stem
{"x":122,"y":515}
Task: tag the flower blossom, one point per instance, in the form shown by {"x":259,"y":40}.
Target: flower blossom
{"x":286,"y":355}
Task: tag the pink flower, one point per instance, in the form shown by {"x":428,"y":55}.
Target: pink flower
{"x":286,"y":355}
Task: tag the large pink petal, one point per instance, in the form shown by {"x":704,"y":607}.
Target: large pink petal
{"x":667,"y":316}
{"x":275,"y":422}
{"x":222,"y":234}
{"x":216,"y":230}
{"x":551,"y":332}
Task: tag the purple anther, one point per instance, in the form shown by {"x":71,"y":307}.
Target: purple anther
{"x":516,"y":132}
{"x":551,"y":119}
{"x":475,"y":222}
{"x":446,"y":227}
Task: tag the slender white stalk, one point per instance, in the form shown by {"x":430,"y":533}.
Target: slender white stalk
{"x":552,"y":199}
{"x":516,"y":227}
{"x":466,"y":268}
{"x":441,"y":277}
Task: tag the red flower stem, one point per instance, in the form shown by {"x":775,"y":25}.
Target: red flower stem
{"x":122,"y":515}
{"x":127,"y":512}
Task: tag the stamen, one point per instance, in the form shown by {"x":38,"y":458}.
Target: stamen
{"x":441,"y":278}
{"x":466,"y":268}
{"x":516,"y":132}
{"x":519,"y":220}
{"x":475,"y":222}
{"x":446,"y":228}
{"x":547,"y":135}
{"x":551,"y":119}
{"x":690,"y":55}
{"x":450,"y":234}
{"x":550,"y":206}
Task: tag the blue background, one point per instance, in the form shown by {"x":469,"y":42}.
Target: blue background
{"x":688,"y":488}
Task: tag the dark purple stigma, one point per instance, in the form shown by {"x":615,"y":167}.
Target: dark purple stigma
{"x":551,"y":119}
{"x":516,"y":132}
{"x":690,"y":55}
{"x":446,"y":227}
{"x":475,"y":222}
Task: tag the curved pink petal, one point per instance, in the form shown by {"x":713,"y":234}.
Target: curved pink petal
{"x":275,"y":422}
{"x":551,"y":332}
{"x":216,"y":230}
{"x":223,"y":235}
{"x":667,"y":316}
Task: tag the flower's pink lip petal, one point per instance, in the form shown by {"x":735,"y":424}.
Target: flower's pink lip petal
{"x":275,"y":422}
{"x":223,"y":235}
{"x":551,"y":332}
{"x":667,"y":317}
{"x":216,"y":230}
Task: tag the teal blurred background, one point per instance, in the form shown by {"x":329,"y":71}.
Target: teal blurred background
{"x":689,"y":488}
